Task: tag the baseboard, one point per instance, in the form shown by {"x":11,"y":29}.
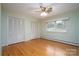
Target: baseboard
{"x":70,"y":43}
{"x":18,"y":42}
{"x":0,"y":51}
{"x":75,"y":44}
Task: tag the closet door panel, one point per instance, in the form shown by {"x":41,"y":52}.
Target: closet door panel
{"x":12,"y":33}
{"x":20,"y":30}
{"x":34,"y":29}
{"x":16,"y":30}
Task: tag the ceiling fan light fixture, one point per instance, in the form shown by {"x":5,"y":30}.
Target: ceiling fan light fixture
{"x":43,"y":14}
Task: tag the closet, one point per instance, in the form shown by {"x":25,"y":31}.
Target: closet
{"x":16,"y":30}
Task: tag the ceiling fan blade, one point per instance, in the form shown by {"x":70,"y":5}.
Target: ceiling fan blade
{"x":48,"y":10}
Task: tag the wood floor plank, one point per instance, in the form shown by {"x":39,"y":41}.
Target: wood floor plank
{"x":40,"y":47}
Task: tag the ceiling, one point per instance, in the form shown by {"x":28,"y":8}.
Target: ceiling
{"x":27,"y":8}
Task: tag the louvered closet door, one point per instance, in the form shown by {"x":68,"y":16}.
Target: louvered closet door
{"x":16,"y":30}
{"x":20,"y":30}
{"x":34,"y":29}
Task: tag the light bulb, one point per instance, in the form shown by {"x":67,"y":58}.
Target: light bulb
{"x":43,"y":14}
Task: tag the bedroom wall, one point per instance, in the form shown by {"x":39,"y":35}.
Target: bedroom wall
{"x":3,"y":26}
{"x":77,"y":24}
{"x":71,"y":26}
{"x":0,"y":30}
{"x":27,"y":25}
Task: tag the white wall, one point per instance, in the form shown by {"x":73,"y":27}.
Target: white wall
{"x":27,"y":21}
{"x":77,"y":24}
{"x":0,"y":30}
{"x":71,"y":36}
{"x":3,"y":26}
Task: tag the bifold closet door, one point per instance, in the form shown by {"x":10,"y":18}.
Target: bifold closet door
{"x":34,"y":29}
{"x":16,"y":30}
{"x":20,"y":30}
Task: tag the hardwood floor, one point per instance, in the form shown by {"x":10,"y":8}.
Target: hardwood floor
{"x":40,"y":47}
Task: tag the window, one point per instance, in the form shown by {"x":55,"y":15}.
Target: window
{"x":56,"y":26}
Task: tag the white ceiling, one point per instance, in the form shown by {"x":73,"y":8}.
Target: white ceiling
{"x":27,"y":8}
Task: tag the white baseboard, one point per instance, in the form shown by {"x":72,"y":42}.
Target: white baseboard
{"x":66,"y":42}
{"x":0,"y":51}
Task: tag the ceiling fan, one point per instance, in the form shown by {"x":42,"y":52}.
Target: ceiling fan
{"x":44,"y":9}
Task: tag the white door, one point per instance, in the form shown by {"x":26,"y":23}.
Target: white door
{"x":34,"y":29}
{"x":16,"y":30}
{"x":20,"y":30}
